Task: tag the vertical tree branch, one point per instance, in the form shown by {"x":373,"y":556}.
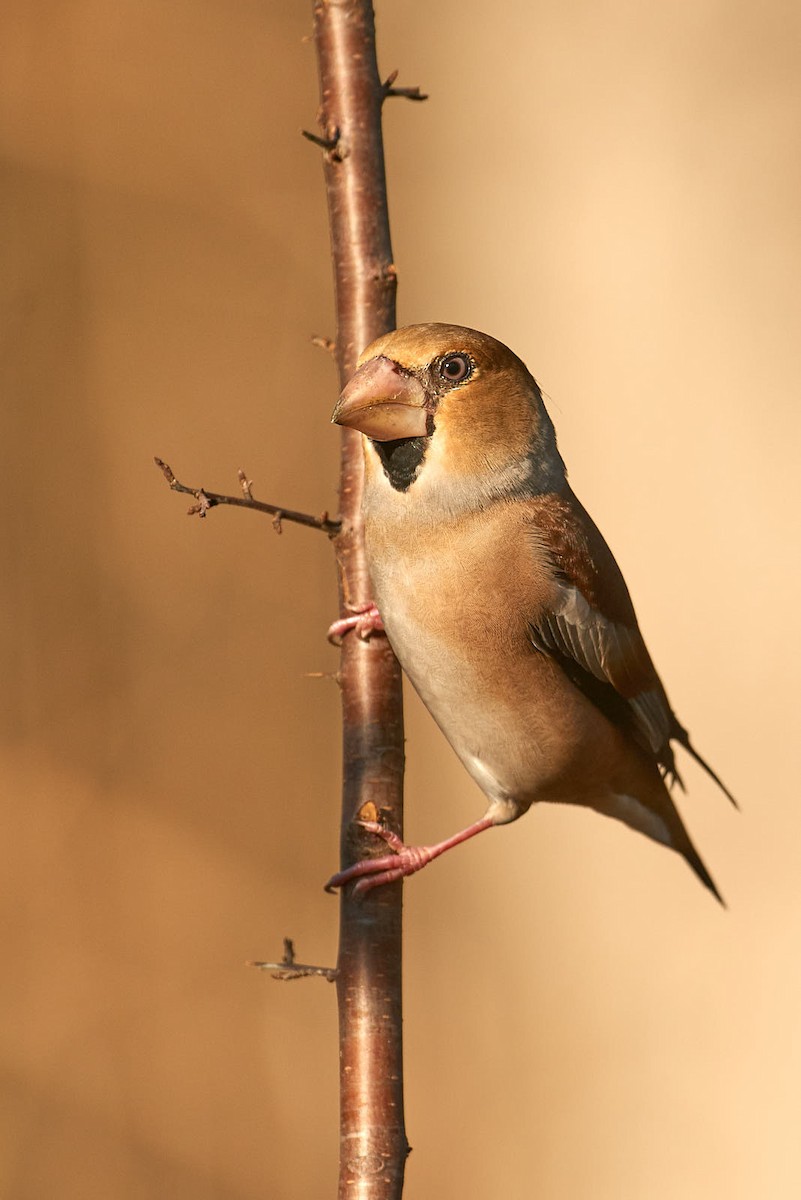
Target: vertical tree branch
{"x":373,"y":1145}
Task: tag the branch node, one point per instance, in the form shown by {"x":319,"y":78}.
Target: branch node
{"x":386,"y":274}
{"x":277,"y":519}
{"x":408,"y":93}
{"x":332,"y":143}
{"x":204,"y":503}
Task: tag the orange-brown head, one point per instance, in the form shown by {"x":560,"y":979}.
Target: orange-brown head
{"x":444,"y":399}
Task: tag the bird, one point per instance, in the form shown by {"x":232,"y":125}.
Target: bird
{"x":500,"y":598}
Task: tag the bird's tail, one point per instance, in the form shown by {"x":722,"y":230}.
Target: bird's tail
{"x":682,"y":736}
{"x":694,"y":859}
{"x":646,"y":805}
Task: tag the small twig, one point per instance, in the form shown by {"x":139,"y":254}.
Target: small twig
{"x":287,"y":969}
{"x":206,"y":500}
{"x":408,"y":93}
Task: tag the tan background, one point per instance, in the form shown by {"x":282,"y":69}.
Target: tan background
{"x":612,"y":189}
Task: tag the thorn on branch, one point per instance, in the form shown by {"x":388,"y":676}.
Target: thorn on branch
{"x":408,"y":93}
{"x":323,"y":142}
{"x":206,"y":500}
{"x":332,"y":675}
{"x":325,"y":343}
{"x":287,"y":969}
{"x":331,"y":143}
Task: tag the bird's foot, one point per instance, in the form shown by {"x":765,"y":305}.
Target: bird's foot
{"x":373,"y":872}
{"x":364,"y":621}
{"x":404,"y":860}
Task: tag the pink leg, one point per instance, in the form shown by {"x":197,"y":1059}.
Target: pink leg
{"x":366,"y":620}
{"x":405,"y":860}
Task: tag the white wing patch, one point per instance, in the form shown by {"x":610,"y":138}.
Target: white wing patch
{"x":637,"y":816}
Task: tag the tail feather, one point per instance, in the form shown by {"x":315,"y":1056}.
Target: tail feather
{"x":691,"y":856}
{"x":682,"y":736}
{"x":650,"y":810}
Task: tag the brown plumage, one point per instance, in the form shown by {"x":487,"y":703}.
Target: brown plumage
{"x":500,"y":597}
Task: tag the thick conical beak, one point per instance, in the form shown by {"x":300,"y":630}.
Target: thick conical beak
{"x":383,"y":402}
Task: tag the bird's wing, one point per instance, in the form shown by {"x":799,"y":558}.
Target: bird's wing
{"x":623,"y":682}
{"x":592,"y":631}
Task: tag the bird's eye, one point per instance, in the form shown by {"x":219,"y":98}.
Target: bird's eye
{"x":456,"y":368}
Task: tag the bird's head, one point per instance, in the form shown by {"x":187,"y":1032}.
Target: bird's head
{"x":452,"y":404}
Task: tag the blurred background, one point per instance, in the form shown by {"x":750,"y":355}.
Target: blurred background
{"x":612,"y":189}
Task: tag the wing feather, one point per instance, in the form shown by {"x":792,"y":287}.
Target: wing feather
{"x":616,"y":656}
{"x":592,"y":630}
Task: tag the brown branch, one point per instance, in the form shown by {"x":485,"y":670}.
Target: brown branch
{"x":288,"y":969}
{"x":373,"y":1144}
{"x":206,"y":500}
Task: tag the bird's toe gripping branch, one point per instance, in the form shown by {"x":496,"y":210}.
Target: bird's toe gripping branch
{"x":405,"y":860}
{"x":365,"y":620}
{"x":372,"y":872}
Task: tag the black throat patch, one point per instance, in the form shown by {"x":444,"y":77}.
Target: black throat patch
{"x":401,"y":460}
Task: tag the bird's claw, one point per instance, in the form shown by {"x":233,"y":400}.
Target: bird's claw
{"x":370,"y":873}
{"x":365,"y":620}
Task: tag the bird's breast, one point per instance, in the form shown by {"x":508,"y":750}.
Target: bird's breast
{"x":456,"y":599}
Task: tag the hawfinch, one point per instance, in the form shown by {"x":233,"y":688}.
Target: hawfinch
{"x":500,"y":597}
